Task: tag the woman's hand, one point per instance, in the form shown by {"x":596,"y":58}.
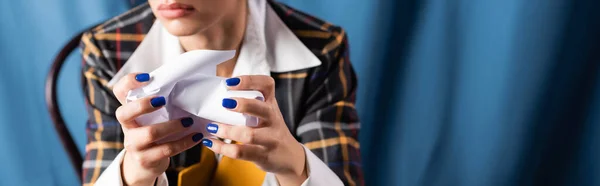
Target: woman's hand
{"x":270,"y":145}
{"x":145,"y":160}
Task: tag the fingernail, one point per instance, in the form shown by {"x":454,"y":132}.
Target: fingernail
{"x":197,"y":137}
{"x":207,"y":143}
{"x":212,"y":128}
{"x":158,"y":101}
{"x":187,"y":122}
{"x":229,"y":103}
{"x":143,"y":77}
{"x":232,"y":81}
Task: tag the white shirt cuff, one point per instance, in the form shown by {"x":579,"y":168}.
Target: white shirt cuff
{"x":318,"y":173}
{"x":112,"y":174}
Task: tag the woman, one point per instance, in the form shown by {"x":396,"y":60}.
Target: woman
{"x":309,"y":127}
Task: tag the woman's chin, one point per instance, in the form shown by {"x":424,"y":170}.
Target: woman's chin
{"x":180,"y":29}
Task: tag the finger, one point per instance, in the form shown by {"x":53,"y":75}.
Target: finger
{"x":242,"y":134}
{"x":165,"y":150}
{"x":147,"y":135}
{"x":247,"y":152}
{"x":261,"y":83}
{"x":127,"y":113}
{"x":251,"y":107}
{"x":129,"y":82}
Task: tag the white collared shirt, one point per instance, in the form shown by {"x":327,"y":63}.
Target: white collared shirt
{"x":281,"y":51}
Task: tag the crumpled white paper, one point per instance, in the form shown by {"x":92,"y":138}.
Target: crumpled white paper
{"x":192,"y":89}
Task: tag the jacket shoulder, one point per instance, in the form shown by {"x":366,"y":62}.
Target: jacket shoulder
{"x":129,"y":27}
{"x":325,"y":40}
{"x":136,"y":20}
{"x":110,"y":44}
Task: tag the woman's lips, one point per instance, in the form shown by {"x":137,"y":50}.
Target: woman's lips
{"x":174,"y":10}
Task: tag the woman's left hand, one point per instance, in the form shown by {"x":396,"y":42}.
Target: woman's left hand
{"x":270,"y":145}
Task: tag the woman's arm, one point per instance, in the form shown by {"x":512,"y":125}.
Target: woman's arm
{"x":329,"y":130}
{"x":331,"y":126}
{"x":110,"y":128}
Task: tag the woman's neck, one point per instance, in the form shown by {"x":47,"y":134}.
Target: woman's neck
{"x":225,"y":34}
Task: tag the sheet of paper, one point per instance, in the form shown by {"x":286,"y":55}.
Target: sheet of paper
{"x":192,"y":89}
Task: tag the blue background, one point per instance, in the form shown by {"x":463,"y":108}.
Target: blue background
{"x":455,"y":92}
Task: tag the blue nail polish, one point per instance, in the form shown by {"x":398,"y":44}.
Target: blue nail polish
{"x":158,"y":101}
{"x":187,"y":122}
{"x":232,"y":81}
{"x":197,"y":137}
{"x":143,"y":77}
{"x":229,"y":103}
{"x":212,"y":128}
{"x":207,"y":143}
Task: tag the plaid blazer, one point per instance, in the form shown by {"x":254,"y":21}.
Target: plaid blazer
{"x":317,"y":103}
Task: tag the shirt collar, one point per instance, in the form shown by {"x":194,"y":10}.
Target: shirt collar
{"x":281,"y":51}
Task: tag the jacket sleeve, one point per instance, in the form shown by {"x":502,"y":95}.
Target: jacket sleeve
{"x":104,"y":134}
{"x":330,"y":126}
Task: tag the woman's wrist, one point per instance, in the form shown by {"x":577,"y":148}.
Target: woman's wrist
{"x":129,"y":177}
{"x":297,"y":172}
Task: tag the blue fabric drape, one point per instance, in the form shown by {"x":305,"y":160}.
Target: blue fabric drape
{"x":31,"y":34}
{"x":463,"y":92}
{"x":456,"y":92}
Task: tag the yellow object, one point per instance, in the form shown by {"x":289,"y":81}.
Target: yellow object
{"x":227,"y":172}
{"x":232,"y":172}
{"x":201,"y":172}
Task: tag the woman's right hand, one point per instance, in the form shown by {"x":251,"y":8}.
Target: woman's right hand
{"x":145,"y":160}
